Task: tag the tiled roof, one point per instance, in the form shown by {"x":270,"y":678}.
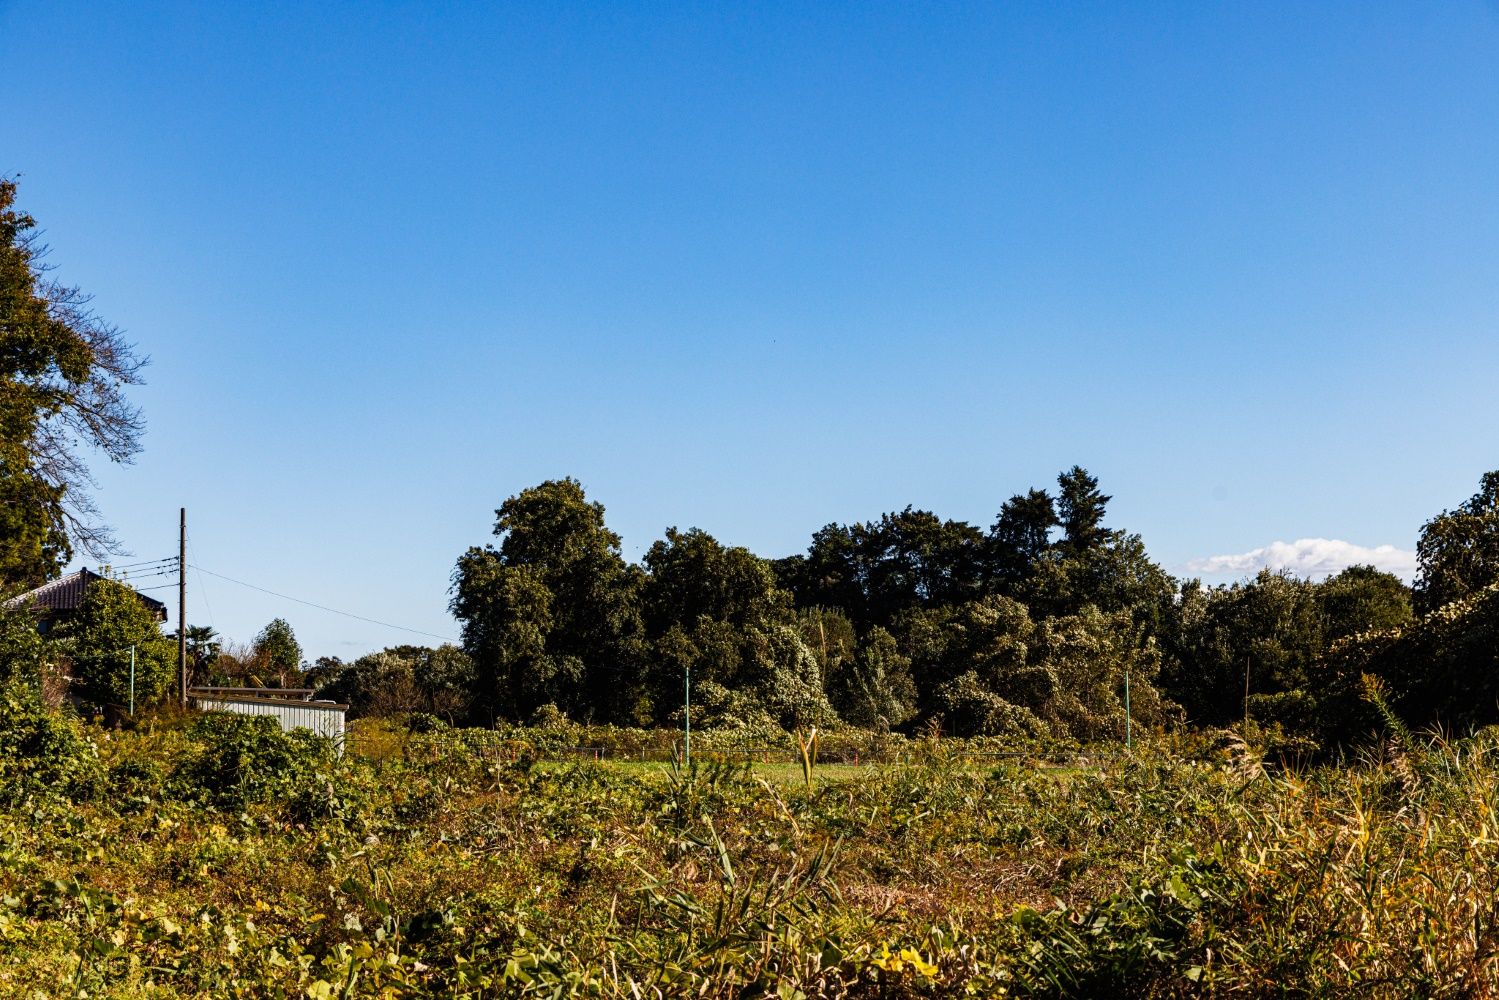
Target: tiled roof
{"x":66,"y":593}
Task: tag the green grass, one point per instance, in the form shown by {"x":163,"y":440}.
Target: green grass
{"x":193,"y":867}
{"x":786,"y":773}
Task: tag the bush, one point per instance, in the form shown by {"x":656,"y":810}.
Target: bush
{"x":549,"y":716}
{"x":970,"y":709}
{"x":240,"y":759}
{"x":135,"y":777}
{"x":45,"y":754}
{"x":23,"y":653}
{"x":133,"y":784}
{"x":425,"y":722}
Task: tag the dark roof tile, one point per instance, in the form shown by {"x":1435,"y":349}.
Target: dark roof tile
{"x":66,"y":593}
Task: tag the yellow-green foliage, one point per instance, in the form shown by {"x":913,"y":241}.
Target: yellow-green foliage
{"x":411,"y":875}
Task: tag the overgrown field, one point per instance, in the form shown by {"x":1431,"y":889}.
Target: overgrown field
{"x":215,"y":858}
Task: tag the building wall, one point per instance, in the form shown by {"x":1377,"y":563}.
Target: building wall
{"x":323,"y":719}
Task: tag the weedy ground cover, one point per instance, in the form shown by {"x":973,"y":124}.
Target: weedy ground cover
{"x":781,"y":774}
{"x":226,"y":859}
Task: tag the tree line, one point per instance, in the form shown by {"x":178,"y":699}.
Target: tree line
{"x":1030,"y":627}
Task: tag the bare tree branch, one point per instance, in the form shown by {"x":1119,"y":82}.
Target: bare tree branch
{"x":64,"y":372}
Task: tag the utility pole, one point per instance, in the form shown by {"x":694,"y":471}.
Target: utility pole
{"x":182,"y":607}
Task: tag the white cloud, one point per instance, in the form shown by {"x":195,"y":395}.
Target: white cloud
{"x":1310,"y":557}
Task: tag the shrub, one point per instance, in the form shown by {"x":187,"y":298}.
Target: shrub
{"x":45,"y":753}
{"x":23,"y":653}
{"x":971,"y":709}
{"x":135,"y":778}
{"x":549,"y":716}
{"x":240,"y":759}
{"x":425,"y":722}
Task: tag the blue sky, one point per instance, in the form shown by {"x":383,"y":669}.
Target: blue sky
{"x":758,"y":268}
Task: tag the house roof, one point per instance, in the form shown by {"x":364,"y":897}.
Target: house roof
{"x":66,"y":593}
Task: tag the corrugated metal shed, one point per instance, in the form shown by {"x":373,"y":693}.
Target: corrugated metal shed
{"x":322,"y":717}
{"x":280,"y":694}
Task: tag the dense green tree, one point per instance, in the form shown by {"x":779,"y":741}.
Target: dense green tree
{"x":717,"y":707}
{"x":552,"y":614}
{"x":700,"y":600}
{"x":1080,"y":509}
{"x":324,"y":671}
{"x":1085,"y":658}
{"x":1279,"y":631}
{"x":918,"y":559}
{"x":1362,"y":599}
{"x":445,"y":676}
{"x":1019,"y":540}
{"x":903,"y":621}
{"x":1115,"y":574}
{"x":988,"y":638}
{"x":1270,"y":628}
{"x":715,"y":651}
{"x":1459,"y":549}
{"x":874,"y":688}
{"x":63,"y":372}
{"x":831,"y":574}
{"x":692,"y":576}
{"x":33,"y":544}
{"x":403,"y":679}
{"x":759,"y":676}
{"x":968,"y":707}
{"x":930,"y":639}
{"x":782,"y":672}
{"x":873,"y":571}
{"x":992,"y":637}
{"x":990,"y":669}
{"x":831,"y":635}
{"x":719,"y":611}
{"x":506,"y":613}
{"x":278,"y":654}
{"x":1440,"y":671}
{"x":23,"y":652}
{"x":1088,"y":565}
{"x":1280,"y":622}
{"x":98,"y":637}
{"x":1197,"y":661}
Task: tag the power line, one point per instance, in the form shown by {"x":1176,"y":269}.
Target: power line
{"x":148,"y":562}
{"x":323,"y":607}
{"x":202,"y":590}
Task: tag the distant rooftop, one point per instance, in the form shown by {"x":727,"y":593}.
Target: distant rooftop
{"x":65,"y":594}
